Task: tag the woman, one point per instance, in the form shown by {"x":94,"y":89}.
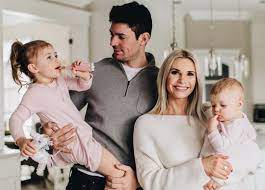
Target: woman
{"x":168,"y":140}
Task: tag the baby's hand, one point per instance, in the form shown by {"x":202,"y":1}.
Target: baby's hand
{"x":26,"y":146}
{"x":82,"y":70}
{"x":211,"y":185}
{"x":212,"y":124}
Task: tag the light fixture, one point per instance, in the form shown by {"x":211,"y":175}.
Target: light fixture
{"x":241,"y":63}
{"x":212,"y":62}
{"x":173,"y":44}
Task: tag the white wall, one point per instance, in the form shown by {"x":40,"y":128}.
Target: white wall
{"x":1,"y":87}
{"x":258,"y":58}
{"x":161,"y":38}
{"x":99,"y":33}
{"x":41,"y":31}
{"x":77,"y":20}
{"x":64,"y":15}
{"x":80,"y":47}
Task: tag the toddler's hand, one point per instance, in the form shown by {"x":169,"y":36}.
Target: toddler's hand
{"x":82,"y":70}
{"x":211,"y":185}
{"x":212,"y":123}
{"x":26,"y":146}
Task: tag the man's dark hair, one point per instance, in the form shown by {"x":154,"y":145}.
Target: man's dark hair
{"x":135,"y":15}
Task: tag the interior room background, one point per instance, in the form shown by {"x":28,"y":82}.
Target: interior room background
{"x":80,"y":29}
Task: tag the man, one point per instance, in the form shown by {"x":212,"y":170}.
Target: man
{"x":124,"y":87}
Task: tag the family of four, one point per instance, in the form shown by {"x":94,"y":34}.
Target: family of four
{"x":150,"y":128}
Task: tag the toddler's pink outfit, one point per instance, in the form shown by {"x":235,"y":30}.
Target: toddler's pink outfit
{"x":52,"y":103}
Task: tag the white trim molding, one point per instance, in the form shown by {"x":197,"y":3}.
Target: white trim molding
{"x":219,"y":15}
{"x":2,"y":127}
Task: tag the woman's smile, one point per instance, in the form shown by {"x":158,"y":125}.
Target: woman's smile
{"x":181,"y":80}
{"x":181,"y":88}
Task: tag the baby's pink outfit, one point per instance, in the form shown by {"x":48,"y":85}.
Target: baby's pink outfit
{"x":52,"y":103}
{"x":239,"y":131}
{"x":236,"y":140}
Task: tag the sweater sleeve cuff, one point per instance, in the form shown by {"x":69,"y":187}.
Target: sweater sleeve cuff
{"x":204,"y":178}
{"x":85,"y":84}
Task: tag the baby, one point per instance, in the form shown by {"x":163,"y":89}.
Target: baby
{"x":229,"y":132}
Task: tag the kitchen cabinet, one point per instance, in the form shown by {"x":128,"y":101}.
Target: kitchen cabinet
{"x":10,"y":169}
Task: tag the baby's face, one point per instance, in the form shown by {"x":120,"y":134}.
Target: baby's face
{"x":227,"y":105}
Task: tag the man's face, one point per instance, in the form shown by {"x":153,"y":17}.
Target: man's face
{"x":123,"y":40}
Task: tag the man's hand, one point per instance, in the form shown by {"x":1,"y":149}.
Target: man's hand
{"x":50,"y":128}
{"x":60,"y":137}
{"x":127,"y":182}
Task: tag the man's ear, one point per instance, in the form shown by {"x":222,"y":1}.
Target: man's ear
{"x":32,"y":68}
{"x":144,"y":38}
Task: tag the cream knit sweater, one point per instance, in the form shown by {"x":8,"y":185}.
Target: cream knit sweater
{"x":167,"y":152}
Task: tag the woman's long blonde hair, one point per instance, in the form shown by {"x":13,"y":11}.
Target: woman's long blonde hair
{"x":194,"y":107}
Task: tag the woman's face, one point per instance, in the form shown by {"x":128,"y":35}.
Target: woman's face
{"x":181,"y":80}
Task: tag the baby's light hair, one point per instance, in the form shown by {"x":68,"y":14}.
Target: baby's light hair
{"x":227,"y":83}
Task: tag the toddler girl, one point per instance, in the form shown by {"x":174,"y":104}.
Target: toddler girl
{"x":48,"y":97}
{"x":229,"y":132}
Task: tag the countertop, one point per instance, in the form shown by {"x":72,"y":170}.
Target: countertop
{"x":7,"y":152}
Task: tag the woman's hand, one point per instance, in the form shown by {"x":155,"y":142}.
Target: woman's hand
{"x":217,"y":166}
{"x":60,"y":137}
{"x":26,"y":146}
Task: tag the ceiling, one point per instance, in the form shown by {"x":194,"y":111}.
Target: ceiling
{"x":74,"y":3}
{"x":225,"y":5}
{"x":220,"y":5}
{"x":199,"y":9}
